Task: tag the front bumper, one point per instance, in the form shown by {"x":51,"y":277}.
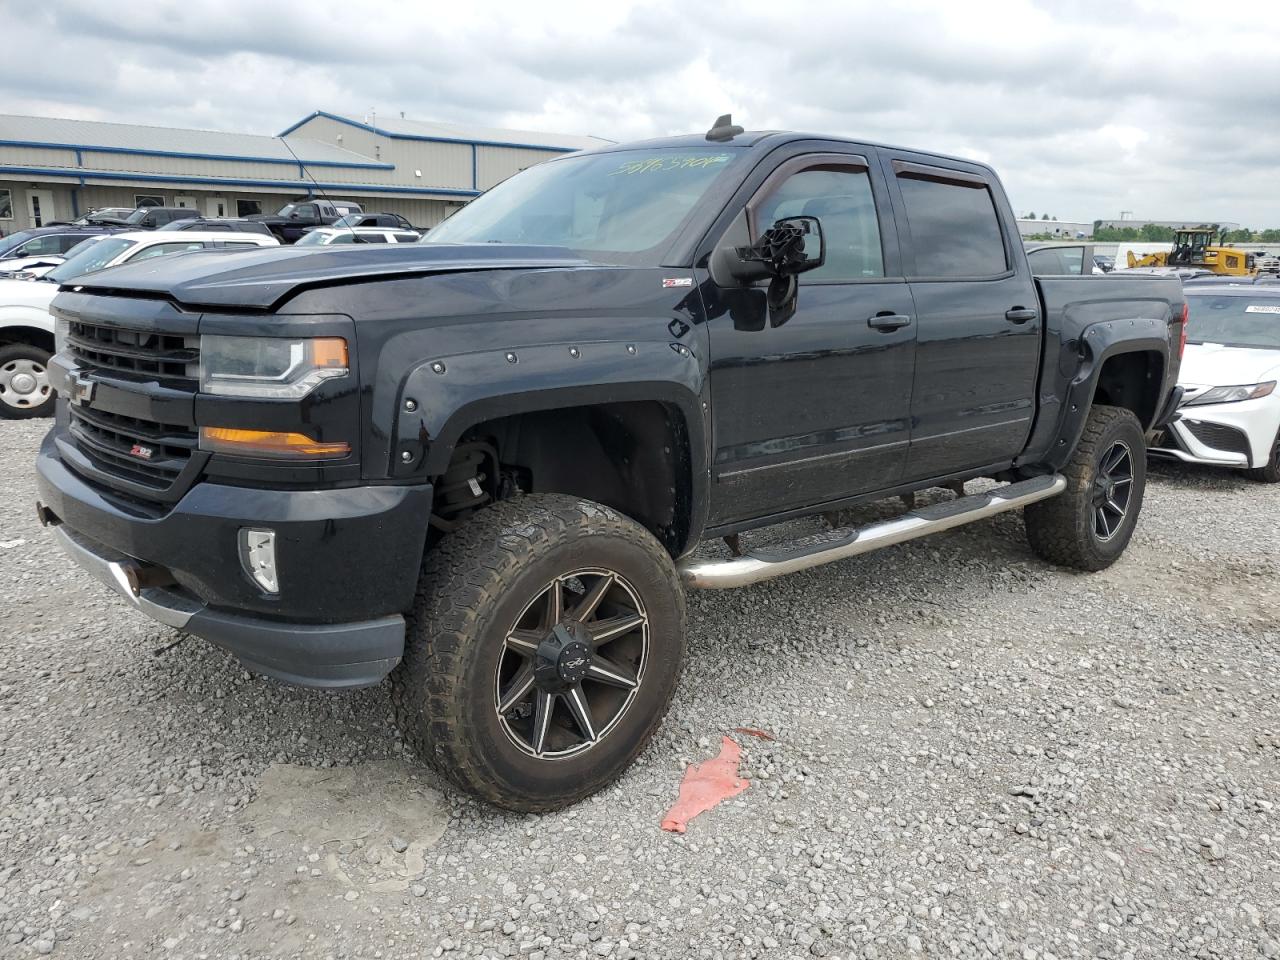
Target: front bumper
{"x":1237,"y":435}
{"x":348,"y":562}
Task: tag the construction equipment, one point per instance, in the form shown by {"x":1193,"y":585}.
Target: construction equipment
{"x":1200,"y":247}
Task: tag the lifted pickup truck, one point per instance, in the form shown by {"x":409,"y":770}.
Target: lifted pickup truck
{"x":482,"y":464}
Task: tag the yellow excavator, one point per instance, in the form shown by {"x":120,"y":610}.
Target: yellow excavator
{"x":1199,"y":247}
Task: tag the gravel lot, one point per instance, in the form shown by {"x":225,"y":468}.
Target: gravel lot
{"x":976,"y":755}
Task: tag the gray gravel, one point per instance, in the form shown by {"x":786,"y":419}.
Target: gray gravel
{"x":977,"y":755}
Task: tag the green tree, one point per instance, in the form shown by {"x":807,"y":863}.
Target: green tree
{"x":1243,"y":235}
{"x":1154,"y":233}
{"x":1270,"y":235}
{"x":1045,"y":216}
{"x":1031,"y":215}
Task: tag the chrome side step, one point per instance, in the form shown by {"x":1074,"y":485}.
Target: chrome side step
{"x":775,"y":560}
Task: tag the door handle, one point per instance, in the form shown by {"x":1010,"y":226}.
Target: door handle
{"x":1020,"y":314}
{"x":888,"y":321}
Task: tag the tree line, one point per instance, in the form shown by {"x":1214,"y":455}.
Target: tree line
{"x":1153,"y":233}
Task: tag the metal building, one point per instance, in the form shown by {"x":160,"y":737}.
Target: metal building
{"x":53,"y":170}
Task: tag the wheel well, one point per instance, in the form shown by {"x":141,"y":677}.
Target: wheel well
{"x":631,"y":456}
{"x":32,"y":335}
{"x":1132,"y":381}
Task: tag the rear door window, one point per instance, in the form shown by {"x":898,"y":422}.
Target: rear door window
{"x":955,"y":230}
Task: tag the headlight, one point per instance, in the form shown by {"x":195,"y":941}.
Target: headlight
{"x":61,"y":331}
{"x":269,"y":366}
{"x":1250,"y":391}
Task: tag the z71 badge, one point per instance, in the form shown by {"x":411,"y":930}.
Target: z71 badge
{"x":138,"y":450}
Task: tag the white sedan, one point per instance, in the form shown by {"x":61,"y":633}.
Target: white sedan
{"x":1230,"y":413}
{"x":329,"y":236}
{"x":26,"y":326}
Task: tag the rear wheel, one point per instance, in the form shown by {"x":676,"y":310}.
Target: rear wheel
{"x":24,"y":382}
{"x":1269,"y":472}
{"x":542,"y":652}
{"x":1089,"y":524}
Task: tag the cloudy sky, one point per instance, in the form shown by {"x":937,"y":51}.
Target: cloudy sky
{"x":1086,"y":108}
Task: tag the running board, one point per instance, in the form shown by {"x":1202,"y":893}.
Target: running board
{"x":776,"y":560}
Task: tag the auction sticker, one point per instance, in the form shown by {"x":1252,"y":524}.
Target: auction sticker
{"x":1262,"y":308}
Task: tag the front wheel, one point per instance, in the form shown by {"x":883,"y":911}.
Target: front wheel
{"x":542,"y":652}
{"x":24,"y":382}
{"x":1089,"y":524}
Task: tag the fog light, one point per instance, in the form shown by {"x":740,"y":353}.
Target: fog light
{"x":258,"y":557}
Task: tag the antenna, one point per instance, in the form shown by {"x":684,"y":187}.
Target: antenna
{"x":355,"y":237}
{"x":723,"y":130}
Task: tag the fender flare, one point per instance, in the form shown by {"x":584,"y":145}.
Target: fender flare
{"x":1097,"y":344}
{"x":443,"y":397}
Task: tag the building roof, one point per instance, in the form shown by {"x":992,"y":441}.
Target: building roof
{"x":400,"y":128}
{"x":164,"y":141}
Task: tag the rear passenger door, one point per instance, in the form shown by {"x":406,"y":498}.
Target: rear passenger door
{"x":977,"y":316}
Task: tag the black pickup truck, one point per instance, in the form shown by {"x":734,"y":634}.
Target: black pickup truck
{"x":482,"y":464}
{"x":294,"y":219}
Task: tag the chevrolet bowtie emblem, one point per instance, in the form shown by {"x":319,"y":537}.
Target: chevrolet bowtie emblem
{"x":79,"y":389}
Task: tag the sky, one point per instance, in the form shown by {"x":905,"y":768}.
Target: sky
{"x":1085,"y":108}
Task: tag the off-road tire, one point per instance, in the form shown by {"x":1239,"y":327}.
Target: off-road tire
{"x":1269,"y":472}
{"x":1061,"y":529}
{"x":474,"y":583}
{"x":18,"y":352}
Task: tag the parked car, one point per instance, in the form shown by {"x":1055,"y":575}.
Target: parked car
{"x":327,"y":236}
{"x":108,"y":216}
{"x":1104,"y":262}
{"x":1230,"y":413}
{"x":45,"y":241}
{"x":391,"y":221}
{"x":149,"y":218}
{"x":1063,"y":260}
{"x":593,"y":367}
{"x":27,"y":329}
{"x":291,"y":221}
{"x":219,"y":225}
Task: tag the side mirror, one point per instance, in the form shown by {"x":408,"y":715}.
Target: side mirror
{"x":791,"y":246}
{"x":294,"y":215}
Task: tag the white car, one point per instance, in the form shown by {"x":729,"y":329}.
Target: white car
{"x":1230,"y":412}
{"x":26,"y":326}
{"x":328,"y":236}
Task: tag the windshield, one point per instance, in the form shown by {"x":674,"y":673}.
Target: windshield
{"x":89,"y":259}
{"x":623,"y":206}
{"x":14,"y":240}
{"x":287,"y":209}
{"x":313,"y":239}
{"x":350,"y":220}
{"x":1235,"y":321}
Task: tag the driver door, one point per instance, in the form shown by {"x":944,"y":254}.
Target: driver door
{"x":813,"y":407}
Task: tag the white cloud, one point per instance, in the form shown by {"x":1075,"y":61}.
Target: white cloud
{"x":1085,"y":108}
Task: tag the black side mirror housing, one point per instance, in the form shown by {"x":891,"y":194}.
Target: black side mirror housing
{"x":791,"y":246}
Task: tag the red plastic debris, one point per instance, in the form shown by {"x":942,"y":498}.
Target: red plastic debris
{"x":755,"y":732}
{"x":705,"y":785}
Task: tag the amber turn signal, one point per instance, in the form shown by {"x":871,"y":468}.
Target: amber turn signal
{"x":270,"y":443}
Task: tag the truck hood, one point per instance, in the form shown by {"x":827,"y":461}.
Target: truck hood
{"x":260,"y":279}
{"x":1215,"y":365}
{"x":27,"y":293}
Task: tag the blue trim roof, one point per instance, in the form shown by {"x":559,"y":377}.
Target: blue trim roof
{"x":43,"y":145}
{"x":415,"y":136}
{"x":82,"y":174}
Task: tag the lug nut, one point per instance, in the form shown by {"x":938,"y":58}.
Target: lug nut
{"x":406,"y":456}
{"x":437,"y":367}
{"x":411,"y":405}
